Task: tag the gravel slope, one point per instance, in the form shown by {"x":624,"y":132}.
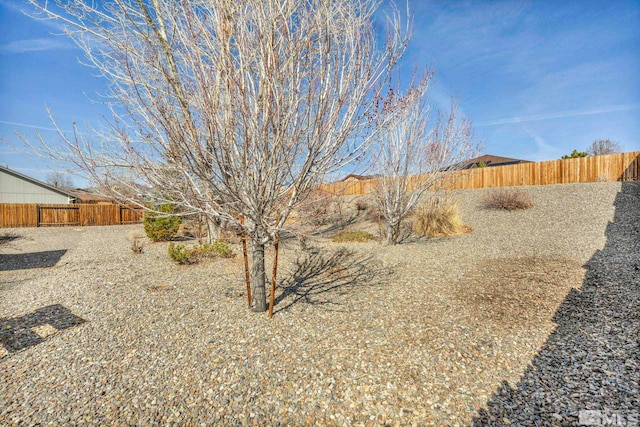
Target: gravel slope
{"x":526,"y":320}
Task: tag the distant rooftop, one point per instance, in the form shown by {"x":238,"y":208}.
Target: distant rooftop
{"x":355,"y":177}
{"x":85,"y":196}
{"x":489,"y":160}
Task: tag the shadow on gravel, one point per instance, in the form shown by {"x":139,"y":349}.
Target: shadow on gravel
{"x":321,"y":277}
{"x":588,"y":371}
{"x":30,"y":260}
{"x":18,"y":333}
{"x":6,"y":238}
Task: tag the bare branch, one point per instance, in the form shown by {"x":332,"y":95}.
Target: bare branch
{"x":229,"y":108}
{"x":413,"y":157}
{"x":601,"y":147}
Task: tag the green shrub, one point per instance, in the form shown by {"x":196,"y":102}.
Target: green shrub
{"x":159,"y":225}
{"x":508,"y":199}
{"x":180,"y":254}
{"x":352,"y":236}
{"x":183,"y":255}
{"x":217,"y":249}
{"x":575,"y":154}
{"x":438,"y":218}
{"x":479,"y":165}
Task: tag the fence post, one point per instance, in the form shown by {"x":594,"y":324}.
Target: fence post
{"x":37,"y":215}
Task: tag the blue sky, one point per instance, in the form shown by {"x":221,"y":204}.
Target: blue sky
{"x":538,"y":79}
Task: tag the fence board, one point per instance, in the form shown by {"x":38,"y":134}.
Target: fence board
{"x":610,"y":168}
{"x":36,"y":215}
{"x":130,"y":215}
{"x":58,"y":215}
{"x":16,"y":215}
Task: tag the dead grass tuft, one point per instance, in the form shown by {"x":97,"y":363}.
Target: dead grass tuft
{"x":507,"y":198}
{"x":137,"y":243}
{"x":439,"y":217}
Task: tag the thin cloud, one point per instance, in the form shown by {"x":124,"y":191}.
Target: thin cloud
{"x":32,"y":12}
{"x":34,"y":45}
{"x":559,"y":115}
{"x":24,"y":125}
{"x":544,"y":150}
{"x":11,"y":5}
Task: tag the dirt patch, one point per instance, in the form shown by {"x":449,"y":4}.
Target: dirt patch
{"x":520,"y":291}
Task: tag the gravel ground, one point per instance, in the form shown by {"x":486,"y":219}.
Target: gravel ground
{"x":526,"y":321}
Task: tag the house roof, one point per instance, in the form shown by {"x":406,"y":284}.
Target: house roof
{"x":353,"y":176}
{"x":36,"y":182}
{"x":491,"y":160}
{"x":84,"y":196}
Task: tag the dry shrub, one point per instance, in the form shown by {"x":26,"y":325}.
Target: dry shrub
{"x":438,"y":217}
{"x":322,"y":208}
{"x":507,"y":198}
{"x":374,"y":215}
{"x":193,"y":226}
{"x":362,"y":206}
{"x":196,"y":226}
{"x":316,"y":208}
{"x":137,"y":243}
{"x":352,"y":236}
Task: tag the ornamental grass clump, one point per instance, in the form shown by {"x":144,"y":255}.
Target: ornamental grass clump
{"x":438,"y":217}
{"x":507,"y":199}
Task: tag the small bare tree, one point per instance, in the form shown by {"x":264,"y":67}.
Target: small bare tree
{"x":601,"y":147}
{"x":413,"y":154}
{"x":234,"y":109}
{"x":60,"y":180}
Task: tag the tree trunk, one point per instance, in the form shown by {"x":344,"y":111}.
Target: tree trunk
{"x":392,"y":233}
{"x":213,"y":230}
{"x":258,"y":278}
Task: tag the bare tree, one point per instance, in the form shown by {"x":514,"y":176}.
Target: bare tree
{"x":414,"y":153}
{"x":60,"y":180}
{"x":601,"y":147}
{"x":232,"y":108}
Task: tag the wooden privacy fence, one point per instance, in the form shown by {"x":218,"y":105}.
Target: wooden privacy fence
{"x":611,"y":167}
{"x":36,"y":215}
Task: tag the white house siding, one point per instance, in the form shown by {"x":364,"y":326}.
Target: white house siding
{"x":14,"y":189}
